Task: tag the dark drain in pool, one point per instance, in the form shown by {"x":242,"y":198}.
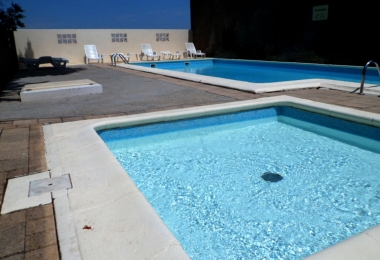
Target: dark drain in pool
{"x":271,"y":177}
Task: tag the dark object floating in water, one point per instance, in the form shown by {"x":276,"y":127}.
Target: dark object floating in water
{"x":271,"y":177}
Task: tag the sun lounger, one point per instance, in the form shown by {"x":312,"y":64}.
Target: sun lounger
{"x":175,"y":55}
{"x":170,"y":55}
{"x":192,"y":52}
{"x":146,"y":51}
{"x":58,"y":63}
{"x":92,"y":53}
{"x":165,"y":53}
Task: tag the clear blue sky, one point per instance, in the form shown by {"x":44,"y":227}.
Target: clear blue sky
{"x":103,"y":14}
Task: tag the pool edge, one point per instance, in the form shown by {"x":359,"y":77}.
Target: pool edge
{"x":259,"y":87}
{"x":100,"y":182}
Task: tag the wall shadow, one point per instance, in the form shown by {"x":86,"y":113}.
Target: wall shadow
{"x":29,"y":52}
{"x":24,"y":77}
{"x":8,"y":57}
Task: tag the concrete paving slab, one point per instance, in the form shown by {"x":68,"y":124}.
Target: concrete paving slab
{"x":40,"y":212}
{"x":12,"y":240}
{"x":40,"y":240}
{"x":12,"y":219}
{"x":39,"y":225}
{"x":16,"y":195}
{"x":49,"y":252}
{"x":67,"y":237}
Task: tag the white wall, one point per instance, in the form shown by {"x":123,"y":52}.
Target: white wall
{"x":34,"y":43}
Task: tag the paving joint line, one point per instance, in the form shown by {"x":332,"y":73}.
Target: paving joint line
{"x":72,"y":106}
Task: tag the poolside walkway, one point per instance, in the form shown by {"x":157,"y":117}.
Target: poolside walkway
{"x":31,"y":233}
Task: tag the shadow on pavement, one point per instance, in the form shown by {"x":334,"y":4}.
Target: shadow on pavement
{"x":15,"y":85}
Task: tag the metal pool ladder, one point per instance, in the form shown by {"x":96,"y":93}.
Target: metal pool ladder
{"x":363,"y":74}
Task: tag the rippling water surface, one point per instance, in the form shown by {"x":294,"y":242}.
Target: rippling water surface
{"x":206,"y":185}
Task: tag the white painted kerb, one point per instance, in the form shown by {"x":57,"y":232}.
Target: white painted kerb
{"x":61,"y":89}
{"x":123,"y":224}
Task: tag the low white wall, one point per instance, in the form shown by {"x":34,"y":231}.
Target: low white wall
{"x":34,"y":43}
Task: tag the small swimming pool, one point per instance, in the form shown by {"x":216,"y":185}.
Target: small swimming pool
{"x":265,"y":71}
{"x":204,"y":178}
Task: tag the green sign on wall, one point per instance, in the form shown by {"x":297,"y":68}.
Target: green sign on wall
{"x":320,"y":12}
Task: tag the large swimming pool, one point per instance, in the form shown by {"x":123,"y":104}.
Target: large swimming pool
{"x":206,"y":179}
{"x":265,"y":71}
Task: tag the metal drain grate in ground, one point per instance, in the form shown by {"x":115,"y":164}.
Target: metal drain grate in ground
{"x":39,"y":187}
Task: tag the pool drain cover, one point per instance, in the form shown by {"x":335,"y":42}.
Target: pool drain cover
{"x":271,"y":177}
{"x":39,"y":187}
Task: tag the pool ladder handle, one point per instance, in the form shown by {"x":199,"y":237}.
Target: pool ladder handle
{"x":363,"y":74}
{"x":116,"y":56}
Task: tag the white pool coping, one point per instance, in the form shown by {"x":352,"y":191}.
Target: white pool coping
{"x":123,"y":224}
{"x":258,"y":88}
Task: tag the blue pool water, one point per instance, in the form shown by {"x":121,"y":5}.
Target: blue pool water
{"x":203,"y":177}
{"x":266,"y":72}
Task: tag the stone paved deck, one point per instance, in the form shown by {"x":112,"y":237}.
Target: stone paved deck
{"x":31,"y":233}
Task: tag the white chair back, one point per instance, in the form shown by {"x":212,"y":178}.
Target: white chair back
{"x":146,"y":49}
{"x":91,"y":51}
{"x":190,"y":47}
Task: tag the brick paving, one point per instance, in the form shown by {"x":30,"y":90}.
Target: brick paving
{"x":31,"y":233}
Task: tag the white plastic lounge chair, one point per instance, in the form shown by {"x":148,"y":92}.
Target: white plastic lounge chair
{"x":92,"y":53}
{"x":165,"y":53}
{"x":177,"y":55}
{"x":171,"y":56}
{"x":115,"y":58}
{"x":147,"y":52}
{"x":192,"y":52}
{"x":58,"y":63}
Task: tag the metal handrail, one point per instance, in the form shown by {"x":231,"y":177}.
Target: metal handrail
{"x":116,"y":56}
{"x":363,"y":74}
